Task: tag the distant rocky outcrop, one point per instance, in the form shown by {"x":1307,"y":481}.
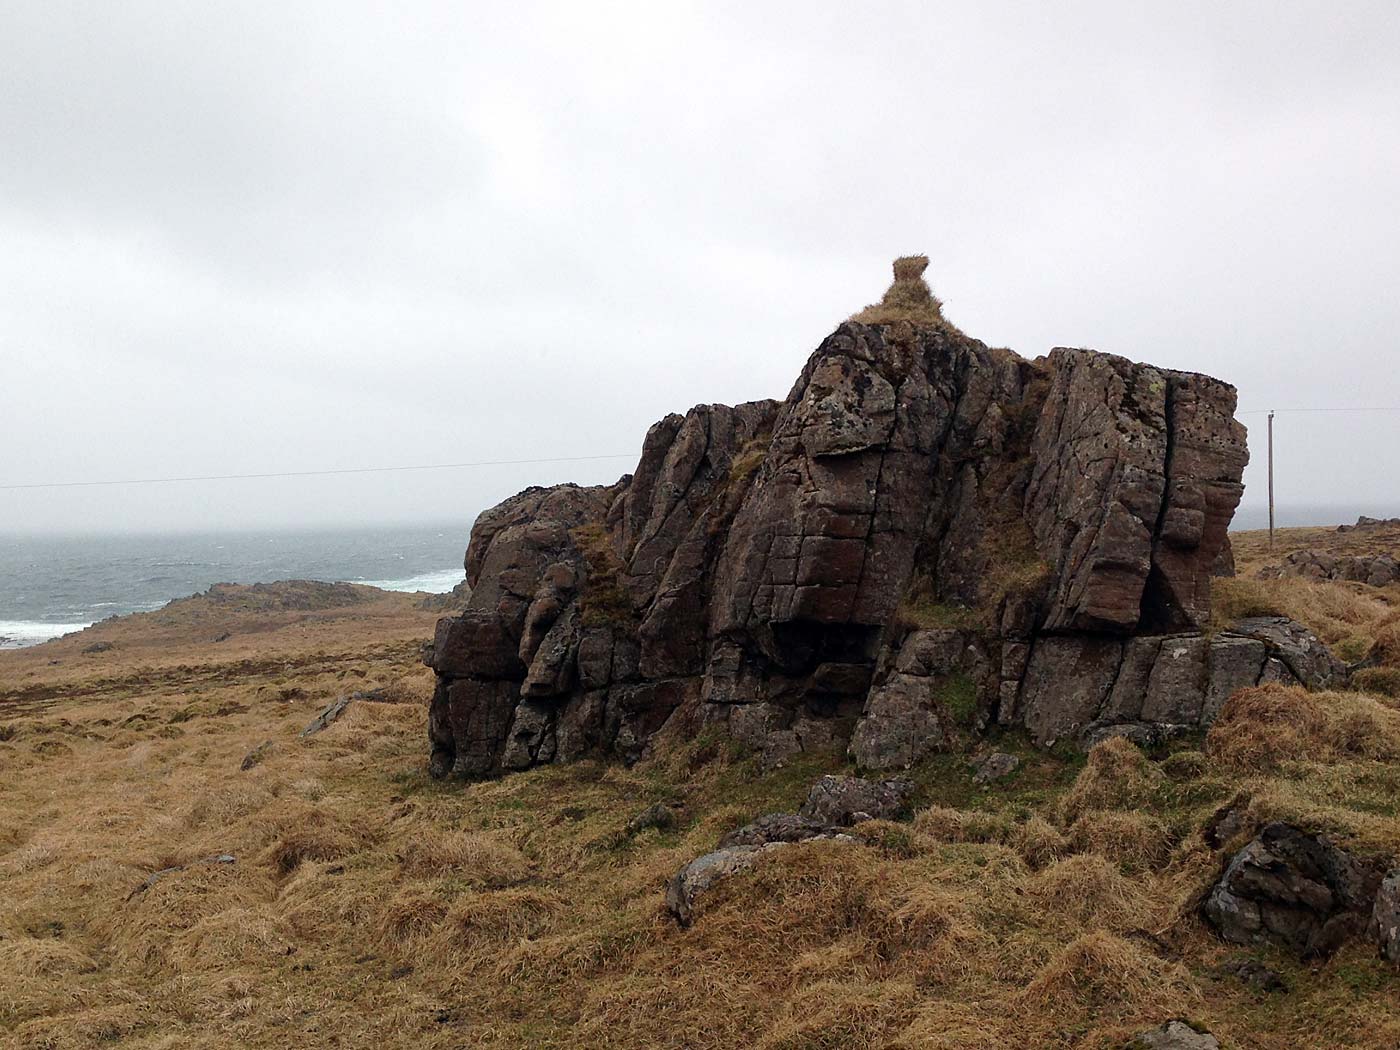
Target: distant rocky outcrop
{"x":928,"y":534}
{"x":282,"y":596}
{"x":1366,"y":522}
{"x":449,"y":601}
{"x":1377,"y":570}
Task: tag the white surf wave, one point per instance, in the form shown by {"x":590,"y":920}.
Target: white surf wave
{"x":432,"y":582}
{"x":15,"y":634}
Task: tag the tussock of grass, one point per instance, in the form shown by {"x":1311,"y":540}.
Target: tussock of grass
{"x":1380,"y":681}
{"x":478,"y":859}
{"x":312,"y":833}
{"x":907,"y":299}
{"x":842,"y":1016}
{"x":1100,"y":974}
{"x":1263,"y":727}
{"x":1132,"y":840}
{"x":1038,"y":841}
{"x":410,"y":917}
{"x":1089,"y":890}
{"x":479,"y":921}
{"x":1117,"y":775}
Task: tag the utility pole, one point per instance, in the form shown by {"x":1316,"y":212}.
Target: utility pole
{"x":1271,"y":479}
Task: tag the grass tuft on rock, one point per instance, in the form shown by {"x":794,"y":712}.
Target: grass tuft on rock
{"x":909,"y":298}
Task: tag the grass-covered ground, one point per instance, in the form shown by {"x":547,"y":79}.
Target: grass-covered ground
{"x":370,"y":906}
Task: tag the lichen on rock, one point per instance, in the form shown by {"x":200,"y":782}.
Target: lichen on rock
{"x":926,"y":537}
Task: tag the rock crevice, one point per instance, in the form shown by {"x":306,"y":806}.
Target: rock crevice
{"x":927,"y":532}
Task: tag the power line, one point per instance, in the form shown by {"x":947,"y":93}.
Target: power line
{"x":315,"y":473}
{"x":485,"y":462}
{"x":1264,"y":411}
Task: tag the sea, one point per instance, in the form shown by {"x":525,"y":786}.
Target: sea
{"x":52,"y":585}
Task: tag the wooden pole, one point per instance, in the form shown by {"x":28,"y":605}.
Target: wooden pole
{"x":1271,"y":479}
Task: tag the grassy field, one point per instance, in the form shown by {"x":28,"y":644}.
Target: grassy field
{"x":368,"y":905}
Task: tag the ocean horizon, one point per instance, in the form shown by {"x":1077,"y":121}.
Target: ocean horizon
{"x":54,"y":585}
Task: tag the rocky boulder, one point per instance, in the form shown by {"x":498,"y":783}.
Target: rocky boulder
{"x":926,"y":536}
{"x":1385,"y":917}
{"x":1295,"y":889}
{"x":845,"y":801}
{"x":1176,"y":1035}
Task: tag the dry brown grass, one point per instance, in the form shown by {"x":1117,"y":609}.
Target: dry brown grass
{"x":907,"y":299}
{"x":1357,"y":621}
{"x":1264,"y":727}
{"x":1117,"y":776}
{"x":371,"y":906}
{"x":1133,"y":840}
{"x":1098,"y":974}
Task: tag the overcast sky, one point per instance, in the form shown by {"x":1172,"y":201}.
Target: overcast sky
{"x":241,"y":238}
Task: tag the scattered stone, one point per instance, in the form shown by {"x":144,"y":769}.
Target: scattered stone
{"x":662,"y":816}
{"x":1385,"y":917}
{"x":1365,"y":522}
{"x":1295,"y":889}
{"x":776,"y":827}
{"x":700,"y":874}
{"x":843,"y":801}
{"x":156,"y":876}
{"x":1374,"y":570}
{"x":331,"y":713}
{"x":1255,"y":974}
{"x":256,"y":755}
{"x":1176,"y":1035}
{"x":995,"y":766}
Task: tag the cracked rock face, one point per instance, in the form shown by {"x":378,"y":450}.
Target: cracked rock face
{"x":784,"y":572}
{"x":1298,"y":890}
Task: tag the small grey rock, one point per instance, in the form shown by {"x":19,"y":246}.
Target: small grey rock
{"x":1176,"y":1035}
{"x":1385,"y":917}
{"x":255,"y":756}
{"x":776,"y":827}
{"x":843,"y":801}
{"x":696,"y":877}
{"x":329,"y":715}
{"x":995,"y":766}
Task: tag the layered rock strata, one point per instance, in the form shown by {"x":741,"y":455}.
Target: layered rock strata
{"x":1302,"y":891}
{"x":926,"y":531}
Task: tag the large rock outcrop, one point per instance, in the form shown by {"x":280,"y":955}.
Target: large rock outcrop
{"x":927,"y":532}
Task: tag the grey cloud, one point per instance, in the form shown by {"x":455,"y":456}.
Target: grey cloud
{"x":299,"y":236}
